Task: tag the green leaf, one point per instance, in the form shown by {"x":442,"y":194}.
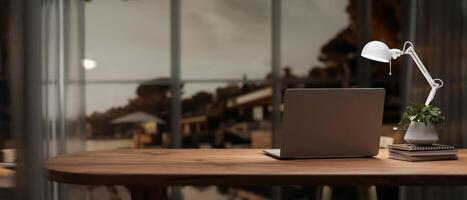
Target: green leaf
{"x":422,"y":113}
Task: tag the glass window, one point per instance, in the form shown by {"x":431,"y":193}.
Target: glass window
{"x":139,"y":120}
{"x":312,"y":32}
{"x":127,"y":82}
{"x":128,"y":39}
{"x":226,"y":115}
{"x":318,"y":54}
{"x":225,"y":39}
{"x":225,"y":69}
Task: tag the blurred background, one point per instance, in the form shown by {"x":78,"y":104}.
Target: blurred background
{"x":81,"y":75}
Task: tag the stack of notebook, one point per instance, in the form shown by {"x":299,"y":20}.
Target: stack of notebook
{"x":410,"y":152}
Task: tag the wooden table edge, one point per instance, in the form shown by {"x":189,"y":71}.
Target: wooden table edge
{"x":255,"y":180}
{"x":252,"y":179}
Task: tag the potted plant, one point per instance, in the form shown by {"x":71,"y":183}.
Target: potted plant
{"x":422,"y":121}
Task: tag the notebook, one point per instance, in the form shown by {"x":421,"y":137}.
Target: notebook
{"x":397,"y":156}
{"x":425,"y":153}
{"x":412,"y":147}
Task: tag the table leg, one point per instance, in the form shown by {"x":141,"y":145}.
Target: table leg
{"x":148,"y":193}
{"x":368,"y":192}
{"x":324,"y":192}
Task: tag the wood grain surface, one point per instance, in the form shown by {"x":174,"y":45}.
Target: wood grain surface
{"x":161,"y":167}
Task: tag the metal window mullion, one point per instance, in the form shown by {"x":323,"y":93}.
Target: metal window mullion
{"x":175,"y":114}
{"x":168,"y":82}
{"x":82,"y":52}
{"x":410,"y":13}
{"x":364,"y":13}
{"x":61,"y":142}
{"x":175,"y":83}
{"x":275,"y":68}
{"x":276,"y":82}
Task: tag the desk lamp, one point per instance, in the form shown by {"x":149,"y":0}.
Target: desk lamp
{"x":420,"y":118}
{"x":378,"y":51}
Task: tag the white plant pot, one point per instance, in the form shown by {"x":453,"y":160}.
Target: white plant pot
{"x":418,"y":133}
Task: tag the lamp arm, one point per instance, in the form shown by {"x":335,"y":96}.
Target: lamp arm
{"x":434,"y":85}
{"x":431,"y":95}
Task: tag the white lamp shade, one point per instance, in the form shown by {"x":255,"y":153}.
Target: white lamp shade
{"x":377,"y":51}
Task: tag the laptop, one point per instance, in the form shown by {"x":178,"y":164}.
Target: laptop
{"x":330,"y":123}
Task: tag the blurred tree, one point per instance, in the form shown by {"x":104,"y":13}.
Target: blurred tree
{"x":197,"y":102}
{"x":153,"y":88}
{"x":341,"y":51}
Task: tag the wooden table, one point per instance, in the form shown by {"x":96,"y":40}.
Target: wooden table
{"x":139,"y":168}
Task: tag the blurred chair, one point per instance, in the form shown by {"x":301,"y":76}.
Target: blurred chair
{"x":141,"y":138}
